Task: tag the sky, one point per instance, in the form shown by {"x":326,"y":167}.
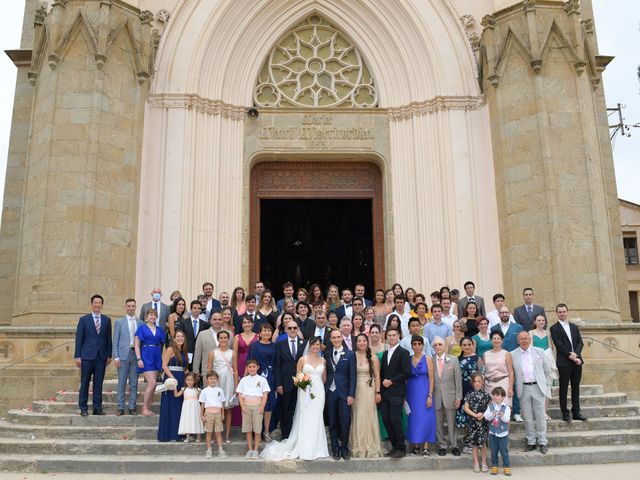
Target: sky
{"x":617,"y":27}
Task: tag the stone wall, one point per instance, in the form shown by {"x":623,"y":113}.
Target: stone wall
{"x":554,"y":172}
{"x":77,"y":231}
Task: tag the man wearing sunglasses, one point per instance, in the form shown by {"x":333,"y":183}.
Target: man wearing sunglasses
{"x":288,"y":352}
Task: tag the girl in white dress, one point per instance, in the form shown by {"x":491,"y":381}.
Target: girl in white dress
{"x":221,"y":360}
{"x":308,"y":439}
{"x":190,"y":418}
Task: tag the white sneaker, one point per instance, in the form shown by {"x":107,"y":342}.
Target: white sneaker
{"x":249,"y":454}
{"x":517,"y":418}
{"x":209,"y":454}
{"x":222,"y":454}
{"x":161,"y":388}
{"x":255,"y":455}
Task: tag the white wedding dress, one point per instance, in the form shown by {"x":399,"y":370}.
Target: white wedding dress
{"x":307,"y":440}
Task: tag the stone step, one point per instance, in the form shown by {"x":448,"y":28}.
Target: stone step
{"x":110,"y":408}
{"x":629,"y":409}
{"x":129,"y":446}
{"x":110,"y":388}
{"x":185,"y":464}
{"x":595,"y":400}
{"x":584,"y":390}
{"x":88,"y":432}
{"x":28,"y":417}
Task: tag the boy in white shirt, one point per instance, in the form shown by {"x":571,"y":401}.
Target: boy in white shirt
{"x":498,"y":414}
{"x":212,"y":400}
{"x":253,"y":391}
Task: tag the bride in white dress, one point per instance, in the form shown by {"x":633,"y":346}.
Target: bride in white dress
{"x":307,"y":440}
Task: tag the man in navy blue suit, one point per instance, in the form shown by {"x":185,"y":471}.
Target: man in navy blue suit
{"x":93,"y":354}
{"x":341,"y":391}
{"x":288,"y":353}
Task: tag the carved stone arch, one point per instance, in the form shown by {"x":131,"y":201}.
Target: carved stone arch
{"x":411,"y":61}
{"x":555,"y":32}
{"x":79,"y":25}
{"x":511,"y":41}
{"x":140,"y":71}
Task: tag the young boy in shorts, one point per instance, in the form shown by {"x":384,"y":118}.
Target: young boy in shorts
{"x":212,"y":400}
{"x":252,"y":392}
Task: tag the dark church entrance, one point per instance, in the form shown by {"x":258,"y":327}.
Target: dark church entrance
{"x":316,"y":222}
{"x":316,"y":241}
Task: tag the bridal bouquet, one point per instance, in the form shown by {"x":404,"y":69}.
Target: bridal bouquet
{"x":303,"y":382}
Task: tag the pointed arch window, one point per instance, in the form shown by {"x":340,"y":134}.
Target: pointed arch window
{"x":315,"y":65}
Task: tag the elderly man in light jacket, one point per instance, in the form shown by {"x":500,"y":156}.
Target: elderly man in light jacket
{"x":532,"y":370}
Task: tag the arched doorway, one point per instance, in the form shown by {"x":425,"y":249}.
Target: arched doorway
{"x":316,"y":222}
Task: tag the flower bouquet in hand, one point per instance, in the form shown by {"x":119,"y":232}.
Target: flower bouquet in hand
{"x":303,"y":382}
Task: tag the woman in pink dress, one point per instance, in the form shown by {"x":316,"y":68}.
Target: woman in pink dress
{"x":237,"y":301}
{"x":498,"y":369}
{"x":241,"y":344}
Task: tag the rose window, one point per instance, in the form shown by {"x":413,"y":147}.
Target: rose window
{"x":315,"y":65}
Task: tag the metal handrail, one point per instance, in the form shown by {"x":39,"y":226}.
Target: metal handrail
{"x":42,"y":352}
{"x":612,"y":347}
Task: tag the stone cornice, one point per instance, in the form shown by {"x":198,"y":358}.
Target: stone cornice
{"x":198,"y":103}
{"x":434,"y":105}
{"x":238,"y":112}
{"x":20,"y":58}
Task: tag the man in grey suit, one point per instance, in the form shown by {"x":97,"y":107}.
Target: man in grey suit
{"x":161,"y":308}
{"x":531,"y":369}
{"x":205,"y":342}
{"x":447,"y":395}
{"x":470,"y":290}
{"x":526,"y":314}
{"x":125,"y":356}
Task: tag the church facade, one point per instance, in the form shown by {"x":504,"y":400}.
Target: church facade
{"x":163,"y":142}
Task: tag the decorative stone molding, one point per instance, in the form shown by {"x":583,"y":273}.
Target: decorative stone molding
{"x":469,"y":24}
{"x":434,"y":105}
{"x":67,"y":23}
{"x":196,"y":102}
{"x":572,"y":7}
{"x":315,"y":65}
{"x":544,"y":29}
{"x":146,"y":17}
{"x":41,"y":13}
{"x":162,"y":16}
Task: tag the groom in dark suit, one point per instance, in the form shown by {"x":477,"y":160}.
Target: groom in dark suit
{"x":341,"y":391}
{"x":92,"y":354}
{"x":288,"y":352}
{"x":568,"y":341}
{"x":395,"y":370}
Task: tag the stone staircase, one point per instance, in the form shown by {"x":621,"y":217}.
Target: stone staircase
{"x":52,"y":437}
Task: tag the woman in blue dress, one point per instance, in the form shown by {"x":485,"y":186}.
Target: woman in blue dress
{"x":421,"y":424}
{"x":174,"y":365}
{"x":148,"y":347}
{"x":264,"y":351}
{"x":469,"y":364}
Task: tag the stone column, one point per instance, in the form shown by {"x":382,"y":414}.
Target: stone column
{"x":78,"y":227}
{"x":559,"y":232}
{"x":16,"y":162}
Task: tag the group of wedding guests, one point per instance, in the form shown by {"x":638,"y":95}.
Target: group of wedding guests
{"x":388,"y":369}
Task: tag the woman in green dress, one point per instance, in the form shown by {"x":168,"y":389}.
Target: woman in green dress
{"x":482,"y":339}
{"x":541,"y":338}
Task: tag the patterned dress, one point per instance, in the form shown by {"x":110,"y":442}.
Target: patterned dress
{"x":477,"y":430}
{"x":468,"y":365}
